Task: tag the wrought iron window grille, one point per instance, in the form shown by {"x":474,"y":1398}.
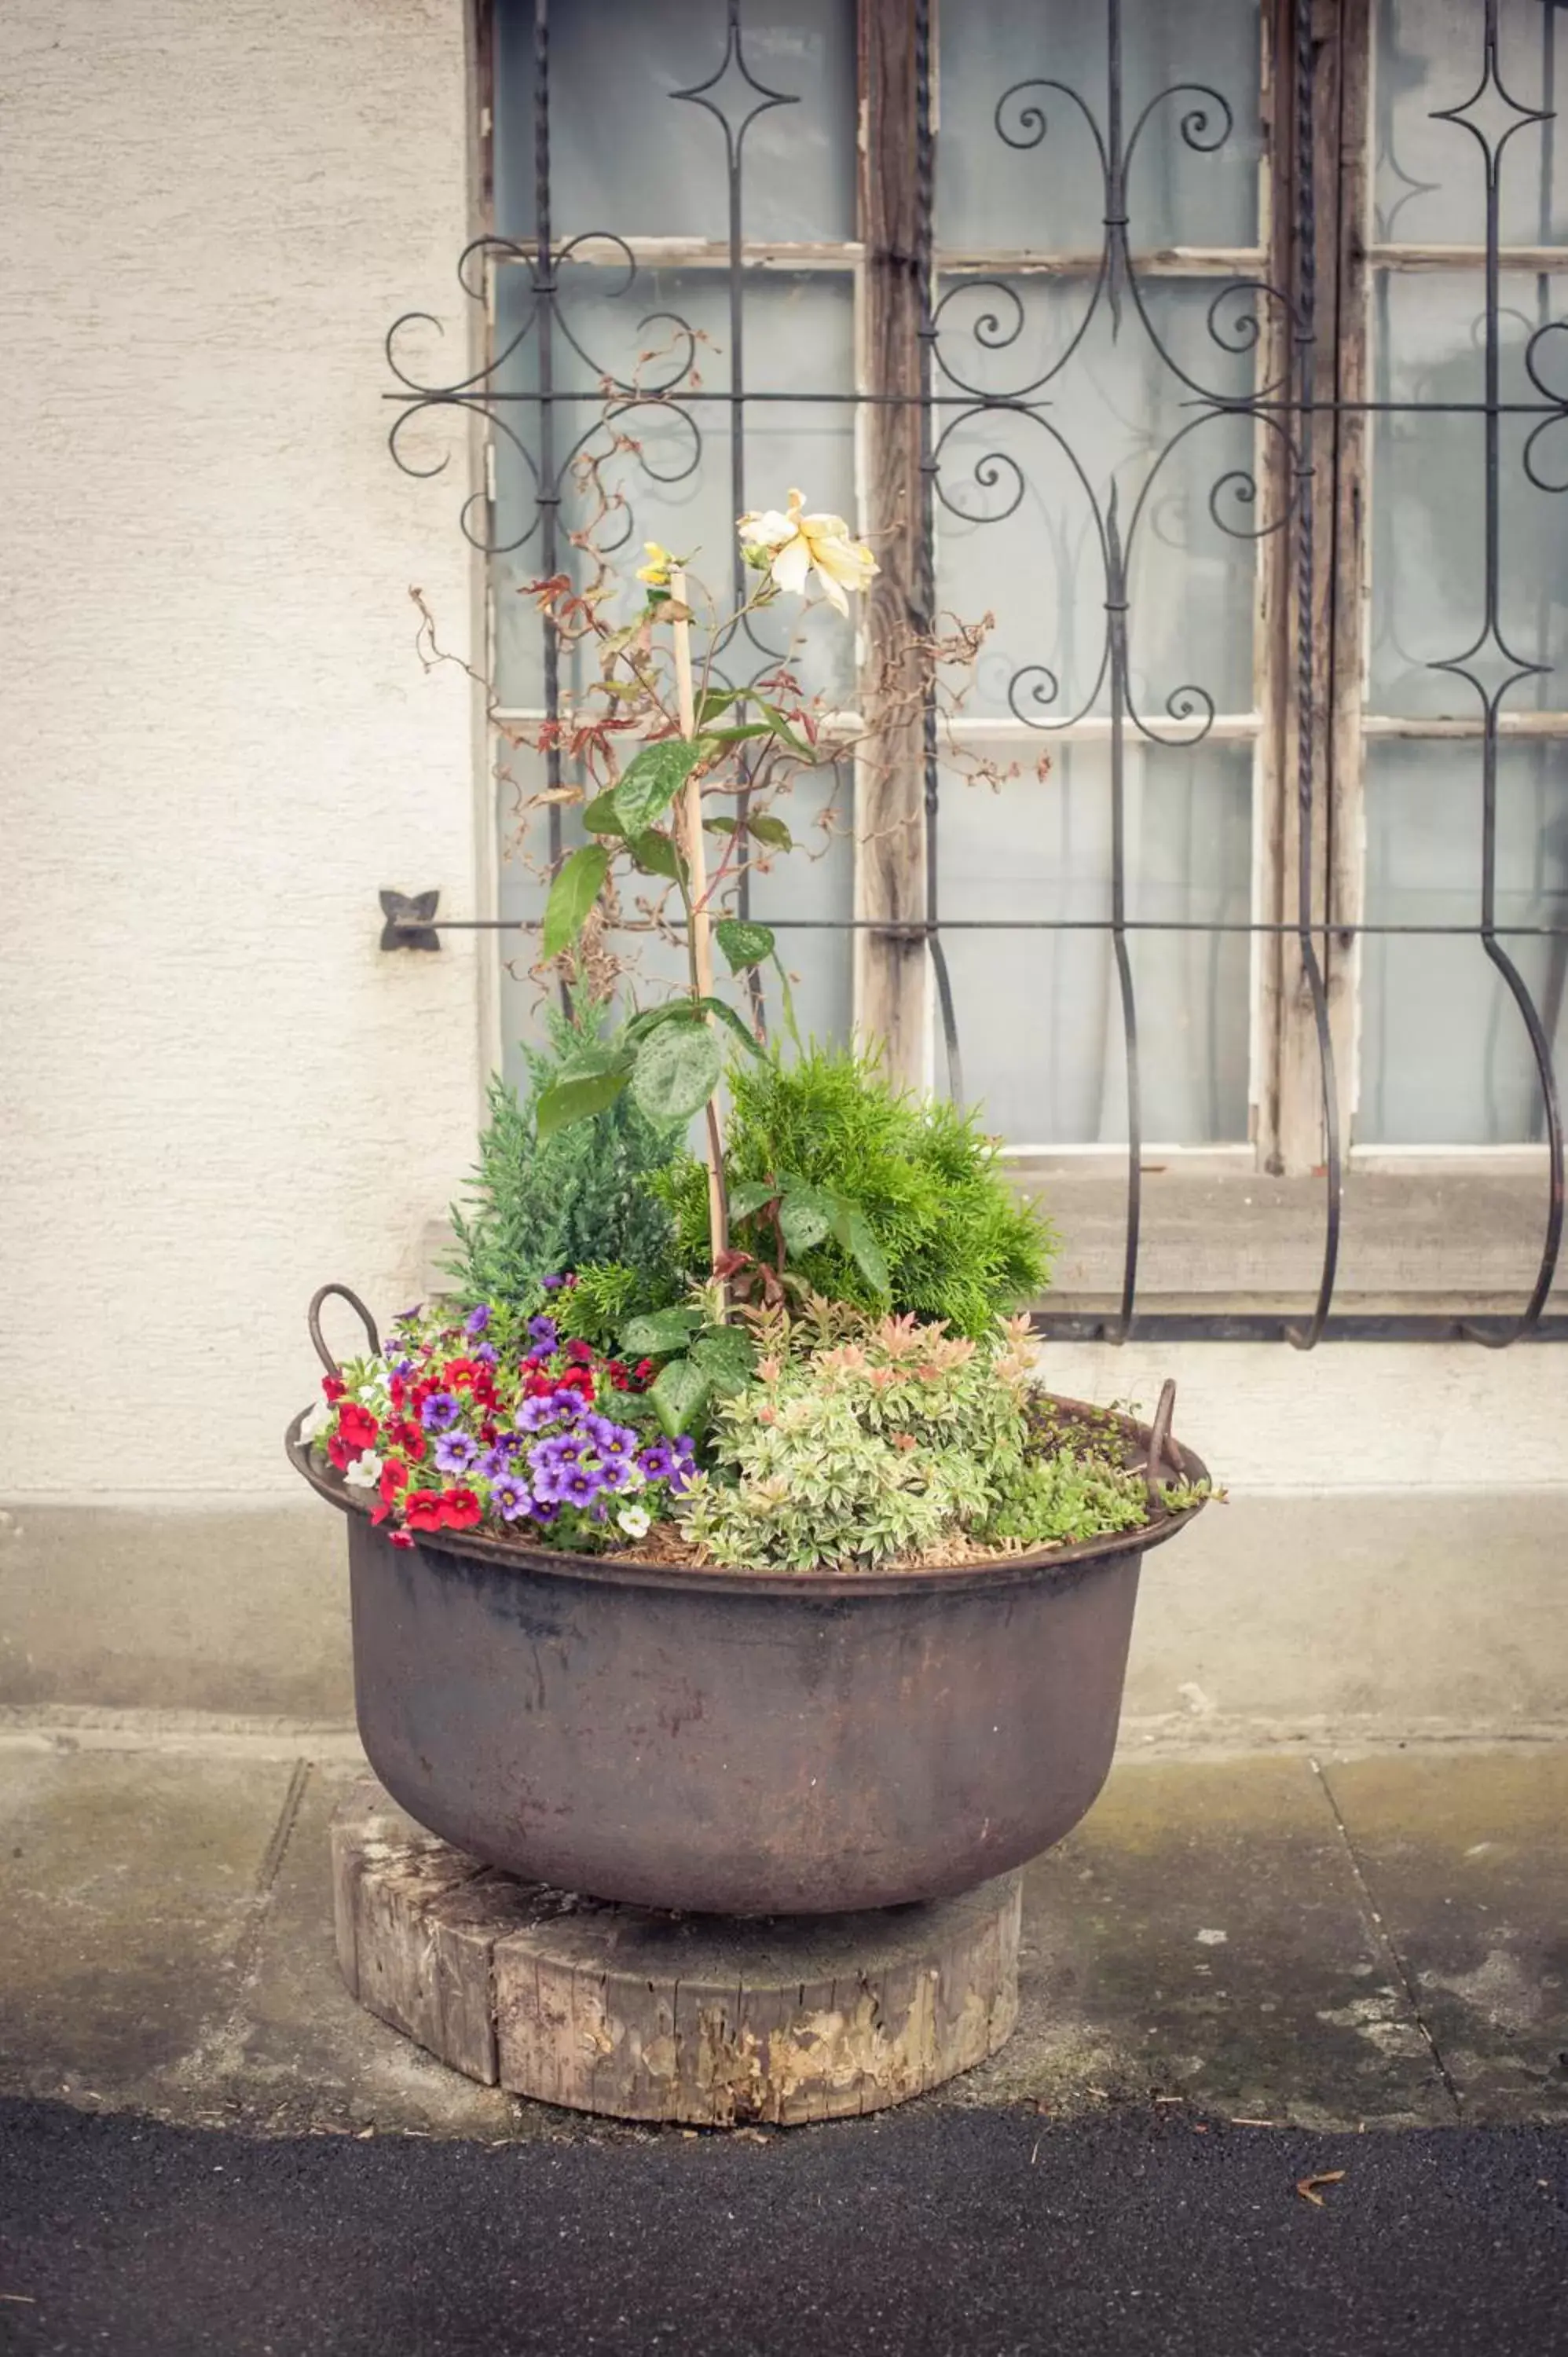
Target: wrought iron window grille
{"x":1296,"y":419}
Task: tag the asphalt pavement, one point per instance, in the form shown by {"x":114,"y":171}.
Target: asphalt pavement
{"x":992,"y":2233}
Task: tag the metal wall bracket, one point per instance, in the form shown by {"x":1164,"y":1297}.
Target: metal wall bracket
{"x":408,"y":925}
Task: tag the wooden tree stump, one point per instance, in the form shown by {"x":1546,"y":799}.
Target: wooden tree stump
{"x":654,"y":2017}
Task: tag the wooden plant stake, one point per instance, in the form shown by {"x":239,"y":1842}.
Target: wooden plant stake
{"x":702,"y":927}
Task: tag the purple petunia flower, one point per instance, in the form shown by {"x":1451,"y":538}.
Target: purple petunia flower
{"x":477,"y":1320}
{"x":656,"y":1460}
{"x":619,"y":1441}
{"x":486,"y":1355}
{"x":545,"y":1332}
{"x":535,"y":1413}
{"x":409,"y":1316}
{"x":557,"y":1449}
{"x":544,"y":1510}
{"x":440,"y":1412}
{"x":495,"y":1464}
{"x":579,"y":1485}
{"x":455,"y":1452}
{"x":554,"y":1283}
{"x":510,"y":1498}
{"x":567,"y":1404}
{"x":614,"y":1473}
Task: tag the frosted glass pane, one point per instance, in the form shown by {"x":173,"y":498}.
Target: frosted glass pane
{"x":1445,"y":1056}
{"x":816,"y":879}
{"x":1039,"y":1013}
{"x":1429,"y":497}
{"x":625,"y":155}
{"x":1430,"y":183}
{"x":676,"y":483}
{"x":1049,"y":197}
{"x":1017,"y":536}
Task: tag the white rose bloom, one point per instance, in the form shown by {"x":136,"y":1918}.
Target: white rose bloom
{"x":634,"y":1521}
{"x":793,"y":545}
{"x":364,"y":1472}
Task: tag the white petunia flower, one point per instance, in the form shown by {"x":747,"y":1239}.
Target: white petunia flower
{"x":364,"y":1472}
{"x":317,"y":1420}
{"x":634,"y":1521}
{"x":793,"y":545}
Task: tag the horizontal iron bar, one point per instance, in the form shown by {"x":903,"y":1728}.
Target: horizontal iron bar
{"x":912,"y":927}
{"x":1242,"y":404}
{"x":1269,"y":1326}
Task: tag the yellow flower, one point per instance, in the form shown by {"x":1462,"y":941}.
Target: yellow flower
{"x":656,"y":572}
{"x":793,"y":545}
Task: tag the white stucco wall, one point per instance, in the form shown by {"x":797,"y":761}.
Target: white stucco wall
{"x":218,"y":741}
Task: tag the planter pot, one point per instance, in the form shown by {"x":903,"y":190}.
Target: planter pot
{"x":736,"y":1742}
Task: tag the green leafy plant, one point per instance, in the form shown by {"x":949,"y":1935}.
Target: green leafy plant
{"x":898,"y":1441}
{"x":869,"y":1194}
{"x":575,"y":1199}
{"x":704,"y":1359}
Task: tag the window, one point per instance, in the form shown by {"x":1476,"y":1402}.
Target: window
{"x":1213,"y":353}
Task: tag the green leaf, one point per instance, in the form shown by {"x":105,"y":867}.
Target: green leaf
{"x":739,"y":735}
{"x":726,"y":1015}
{"x":676,"y":1071}
{"x":727,"y":1359}
{"x":599,"y":817}
{"x":659,"y":1333}
{"x":651,"y":781}
{"x":715,"y":700}
{"x":657,"y":855}
{"x":674,"y":1010}
{"x":743,"y":943}
{"x":750,"y":1196}
{"x":782,"y":729}
{"x":679,"y":1397}
{"x":572,"y":895}
{"x":866,"y":1253}
{"x":569,"y":1101}
{"x":804,"y":1219}
{"x":770,"y":830}
{"x":719,"y":825}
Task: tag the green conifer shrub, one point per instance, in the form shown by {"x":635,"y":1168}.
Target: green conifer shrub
{"x":579,"y":1200}
{"x":959,"y":1245}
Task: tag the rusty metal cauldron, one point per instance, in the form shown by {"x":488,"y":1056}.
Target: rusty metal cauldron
{"x":741,"y":1742}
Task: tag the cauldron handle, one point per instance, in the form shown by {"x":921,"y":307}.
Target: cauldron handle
{"x":313,"y":1318}
{"x":1159,"y":1433}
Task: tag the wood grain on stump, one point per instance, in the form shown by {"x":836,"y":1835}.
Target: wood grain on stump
{"x":654,"y":2017}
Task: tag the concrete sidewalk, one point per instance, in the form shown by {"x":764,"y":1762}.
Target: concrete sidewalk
{"x":1375,"y":1939}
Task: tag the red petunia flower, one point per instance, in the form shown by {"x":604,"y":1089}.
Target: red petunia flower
{"x":334,"y":1386}
{"x":464,"y":1374}
{"x":618,"y":1375}
{"x":395,"y":1477}
{"x":580,"y":1350}
{"x":339,"y":1453}
{"x":424,"y":1509}
{"x":461,"y":1510}
{"x":409,"y":1436}
{"x":400,"y":1538}
{"x":357,"y":1425}
{"x":398,"y":1391}
{"x":573,"y":1379}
